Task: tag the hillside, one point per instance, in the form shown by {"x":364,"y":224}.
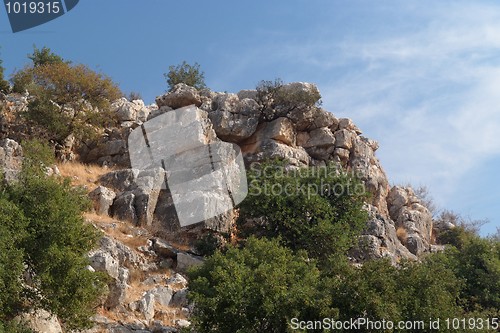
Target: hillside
{"x":144,"y":249}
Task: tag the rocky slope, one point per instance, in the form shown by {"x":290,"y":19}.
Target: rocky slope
{"x":145,"y":250}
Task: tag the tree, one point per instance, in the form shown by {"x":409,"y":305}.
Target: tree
{"x":43,"y":236}
{"x":317,"y":209}
{"x":258,"y":288}
{"x":4,"y":85}
{"x":187,"y":74}
{"x":68,"y":99}
{"x":44,"y":57}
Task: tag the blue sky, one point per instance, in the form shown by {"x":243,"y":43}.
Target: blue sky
{"x":422,"y":77}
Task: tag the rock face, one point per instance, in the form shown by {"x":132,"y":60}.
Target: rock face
{"x":293,"y":129}
{"x":11,"y":157}
{"x":41,"y":321}
{"x":181,"y":95}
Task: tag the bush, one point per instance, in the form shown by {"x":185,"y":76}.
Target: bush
{"x":4,"y":85}
{"x":44,"y":57}
{"x":276,"y":101}
{"x":42,"y":232}
{"x":68,"y":99}
{"x":187,"y":74}
{"x":259,"y":288}
{"x":317,"y":209}
{"x":208,"y":244}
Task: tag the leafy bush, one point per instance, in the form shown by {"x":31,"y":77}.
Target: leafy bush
{"x":276,"y":100}
{"x":317,"y":209}
{"x":255,"y":289}
{"x":187,"y":74}
{"x":208,"y":244}
{"x":68,"y":99}
{"x":44,"y":57}
{"x":4,"y":85}
{"x":42,"y":233}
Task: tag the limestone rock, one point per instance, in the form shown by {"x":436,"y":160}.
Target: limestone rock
{"x":252,"y":94}
{"x":102,"y":198}
{"x":186,"y":261}
{"x":163,"y":249}
{"x":102,"y":261}
{"x":234,"y":120}
{"x":120,"y":180}
{"x":123,"y":207}
{"x":344,"y":139}
{"x":180,"y":96}
{"x":11,"y":159}
{"x":163,"y":295}
{"x":41,"y":321}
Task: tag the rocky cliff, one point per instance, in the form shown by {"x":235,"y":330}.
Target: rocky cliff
{"x":303,"y":134}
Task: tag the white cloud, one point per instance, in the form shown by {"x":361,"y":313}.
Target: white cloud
{"x":430,"y":97}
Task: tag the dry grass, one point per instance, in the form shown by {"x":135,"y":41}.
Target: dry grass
{"x":83,"y":174}
{"x":402,"y":234}
{"x":119,"y":230}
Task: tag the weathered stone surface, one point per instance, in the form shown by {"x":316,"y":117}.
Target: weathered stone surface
{"x":305,"y":119}
{"x":344,"y":139}
{"x":147,"y":306}
{"x":233,"y":127}
{"x":252,"y":94}
{"x":163,"y":249}
{"x":120,"y":180}
{"x":177,"y":281}
{"x":123,"y":207}
{"x":103,"y":261}
{"x":321,"y":137}
{"x":180,"y":298}
{"x":409,"y":214}
{"x":102,"y":198}
{"x":125,"y":256}
{"x":346,"y":123}
{"x":41,"y":321}
{"x":234,"y":120}
{"x":181,"y":95}
{"x":163,"y":295}
{"x":149,"y":184}
{"x":186,"y":261}
{"x":11,"y":159}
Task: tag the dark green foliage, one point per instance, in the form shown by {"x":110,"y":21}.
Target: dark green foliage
{"x":41,"y":226}
{"x":478,"y":264}
{"x":12,"y":233}
{"x":255,"y":289}
{"x":185,"y":73}
{"x":13,"y":327}
{"x":276,"y":101}
{"x":44,"y":56}
{"x":207,"y":244}
{"x":314,"y":209}
{"x":4,"y":85}
{"x":37,"y":156}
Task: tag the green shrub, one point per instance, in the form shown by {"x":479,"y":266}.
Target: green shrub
{"x":42,"y":229}
{"x":276,"y":101}
{"x":255,"y":289}
{"x":317,"y":209}
{"x":4,"y":85}
{"x":44,"y":57}
{"x":187,"y":74}
{"x":208,"y":244}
